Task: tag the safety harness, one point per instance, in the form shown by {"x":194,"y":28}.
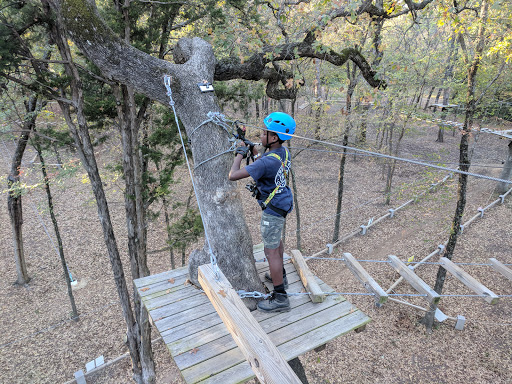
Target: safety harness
{"x":267,"y":202}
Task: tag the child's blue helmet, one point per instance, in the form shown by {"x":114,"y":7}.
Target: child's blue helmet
{"x":281,"y":123}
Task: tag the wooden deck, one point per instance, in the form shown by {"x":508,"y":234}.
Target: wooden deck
{"x":201,"y":345}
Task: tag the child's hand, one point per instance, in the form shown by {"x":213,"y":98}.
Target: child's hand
{"x":243,"y":150}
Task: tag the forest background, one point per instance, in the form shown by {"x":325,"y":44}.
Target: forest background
{"x":358,"y":73}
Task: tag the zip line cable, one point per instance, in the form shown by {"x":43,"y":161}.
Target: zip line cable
{"x":213,"y":259}
{"x":367,"y":155}
{"x":377,"y":154}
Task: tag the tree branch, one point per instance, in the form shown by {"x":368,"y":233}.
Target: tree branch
{"x":254,"y":68}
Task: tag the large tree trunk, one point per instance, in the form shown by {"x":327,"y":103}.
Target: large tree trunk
{"x":218,"y":198}
{"x":14,"y":205}
{"x":464,"y":160}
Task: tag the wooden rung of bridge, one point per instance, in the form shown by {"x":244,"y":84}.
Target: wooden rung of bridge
{"x":364,"y":277}
{"x":307,"y":277}
{"x":414,"y":280}
{"x":501,"y":268}
{"x":469,"y":281}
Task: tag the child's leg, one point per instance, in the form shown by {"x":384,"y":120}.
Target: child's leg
{"x":275,"y":263}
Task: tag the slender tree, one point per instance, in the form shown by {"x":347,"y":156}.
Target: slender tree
{"x":51,"y":209}
{"x":464,"y":158}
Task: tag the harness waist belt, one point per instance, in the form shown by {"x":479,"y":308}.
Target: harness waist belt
{"x":280,"y":211}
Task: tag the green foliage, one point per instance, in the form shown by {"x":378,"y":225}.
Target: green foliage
{"x":239,"y":95}
{"x":161,"y":148}
{"x":186,"y":230}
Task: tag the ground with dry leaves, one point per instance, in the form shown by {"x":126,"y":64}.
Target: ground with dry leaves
{"x":39,"y":345}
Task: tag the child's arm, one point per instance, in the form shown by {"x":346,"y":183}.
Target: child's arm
{"x":236,"y":173}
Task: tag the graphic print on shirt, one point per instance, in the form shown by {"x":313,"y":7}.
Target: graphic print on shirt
{"x":280,"y":179}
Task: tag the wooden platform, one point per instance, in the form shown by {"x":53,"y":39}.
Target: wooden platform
{"x":201,"y":345}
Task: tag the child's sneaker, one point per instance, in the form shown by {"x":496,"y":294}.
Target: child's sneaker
{"x":276,"y":303}
{"x":268,"y":279}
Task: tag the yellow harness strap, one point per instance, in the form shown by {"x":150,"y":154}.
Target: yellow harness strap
{"x":283,"y":165}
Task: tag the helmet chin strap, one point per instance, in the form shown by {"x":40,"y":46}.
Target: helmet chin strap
{"x":268,"y":145}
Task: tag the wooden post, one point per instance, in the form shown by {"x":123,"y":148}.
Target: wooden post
{"x":413,"y":279}
{"x":507,"y":171}
{"x":265,"y":360}
{"x":364,"y":277}
{"x":499,"y":267}
{"x":307,"y":277}
{"x":469,"y":281}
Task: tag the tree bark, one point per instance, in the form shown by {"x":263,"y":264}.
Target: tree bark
{"x":352,"y":75}
{"x":14,"y":202}
{"x":464,"y":158}
{"x":74,"y":310}
{"x":80,"y":133}
{"x":223,"y":215}
{"x":428,"y":98}
{"x":135,"y":216}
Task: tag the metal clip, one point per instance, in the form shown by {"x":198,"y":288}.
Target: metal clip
{"x":481,"y":210}
{"x":329,"y":248}
{"x":392,"y":212}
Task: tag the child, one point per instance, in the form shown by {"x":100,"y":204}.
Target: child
{"x":274,"y":196}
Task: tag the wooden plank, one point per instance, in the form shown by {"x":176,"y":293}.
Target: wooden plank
{"x":163,"y":300}
{"x":188,"y":338}
{"x":178,"y":306}
{"x":469,"y":281}
{"x":364,"y":277}
{"x":241,"y":372}
{"x":196,"y":332}
{"x":170,"y":320}
{"x":177,"y":314}
{"x":413,"y":279}
{"x":265,"y":360}
{"x":204,"y":350}
{"x":162,"y":287}
{"x":226,"y":359}
{"x":307,"y":277}
{"x":153,"y":279}
{"x":501,"y":268}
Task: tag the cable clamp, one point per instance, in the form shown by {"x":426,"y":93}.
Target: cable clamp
{"x":392,"y":212}
{"x":461,"y":228}
{"x":481,"y":210}
{"x":363,"y":229}
{"x":167,"y":83}
{"x":256,"y":295}
{"x":329,"y":248}
{"x":502,"y":197}
{"x":441,"y":248}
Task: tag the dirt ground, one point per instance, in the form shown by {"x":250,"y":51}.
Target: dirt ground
{"x":39,"y":345}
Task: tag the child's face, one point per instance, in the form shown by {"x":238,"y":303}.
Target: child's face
{"x":264,"y":136}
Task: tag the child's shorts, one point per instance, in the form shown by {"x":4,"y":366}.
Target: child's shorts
{"x":271,"y":230}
